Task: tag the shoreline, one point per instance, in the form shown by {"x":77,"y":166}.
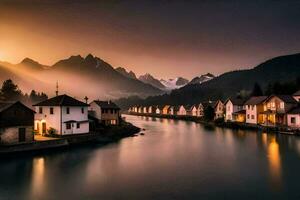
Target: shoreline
{"x":107,"y":135}
{"x":232,"y":125}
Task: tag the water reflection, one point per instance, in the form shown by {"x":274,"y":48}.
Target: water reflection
{"x":274,"y":162}
{"x":38,"y":178}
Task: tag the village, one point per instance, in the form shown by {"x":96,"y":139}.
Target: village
{"x":275,"y":112}
{"x":59,"y":121}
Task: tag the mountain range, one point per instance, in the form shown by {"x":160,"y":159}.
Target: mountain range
{"x":279,"y":69}
{"x":94,"y":76}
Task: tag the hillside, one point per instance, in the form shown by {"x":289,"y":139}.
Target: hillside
{"x":283,"y":68}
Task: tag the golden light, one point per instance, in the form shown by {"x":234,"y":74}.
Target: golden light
{"x":274,"y":162}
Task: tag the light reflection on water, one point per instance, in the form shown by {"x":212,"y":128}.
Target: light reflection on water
{"x":175,"y":159}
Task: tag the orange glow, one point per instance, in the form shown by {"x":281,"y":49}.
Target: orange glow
{"x":274,"y":162}
{"x":38,"y":173}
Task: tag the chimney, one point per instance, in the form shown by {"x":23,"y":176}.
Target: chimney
{"x":86,"y":99}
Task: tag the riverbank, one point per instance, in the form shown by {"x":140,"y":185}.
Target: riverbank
{"x":222,"y":124}
{"x":107,"y":134}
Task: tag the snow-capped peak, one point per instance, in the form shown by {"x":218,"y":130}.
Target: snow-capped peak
{"x":175,"y":83}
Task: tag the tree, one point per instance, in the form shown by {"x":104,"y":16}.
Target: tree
{"x":209,"y":113}
{"x":10,"y":91}
{"x":257,"y":91}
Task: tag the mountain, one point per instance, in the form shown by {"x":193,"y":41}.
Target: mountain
{"x":176,"y":83}
{"x":123,"y":71}
{"x":76,"y":75}
{"x":201,"y":79}
{"x":149,"y":79}
{"x":282,"y":69}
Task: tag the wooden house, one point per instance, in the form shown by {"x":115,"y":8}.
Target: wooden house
{"x":16,"y":123}
{"x":107,"y":112}
{"x":275,"y":109}
{"x":166,"y":110}
{"x":63,"y":115}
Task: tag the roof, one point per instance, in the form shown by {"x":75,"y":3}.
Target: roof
{"x":61,"y":100}
{"x":295,"y":110}
{"x":284,"y":98}
{"x":236,"y":101}
{"x":297,"y":93}
{"x":109,"y":104}
{"x":6,"y":105}
{"x":255,"y":100}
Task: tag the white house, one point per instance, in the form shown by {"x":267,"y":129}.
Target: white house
{"x":106,"y":112}
{"x":145,"y":109}
{"x":159,"y":110}
{"x":151,"y":109}
{"x":233,"y":105}
{"x":293,"y":118}
{"x":254,"y":106}
{"x":194,"y":110}
{"x":181,"y":110}
{"x":62,"y":114}
{"x":219,"y":109}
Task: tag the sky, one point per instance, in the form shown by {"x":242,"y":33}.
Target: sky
{"x":166,"y":38}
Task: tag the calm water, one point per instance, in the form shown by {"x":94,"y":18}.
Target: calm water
{"x":174,"y":160}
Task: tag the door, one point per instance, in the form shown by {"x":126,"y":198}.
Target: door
{"x":44,"y":128}
{"x":22,"y":134}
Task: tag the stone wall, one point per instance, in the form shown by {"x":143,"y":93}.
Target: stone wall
{"x":10,"y":135}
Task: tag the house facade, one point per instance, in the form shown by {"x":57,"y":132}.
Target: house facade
{"x":194,"y":111}
{"x":107,"y":112}
{"x":182,"y":110}
{"x":233,"y":106}
{"x":16,"y":123}
{"x":151,"y":109}
{"x":159,"y":110}
{"x":276,"y":108}
{"x":63,"y":115}
{"x":145,"y":109}
{"x":293,"y":118}
{"x":219,"y":109}
{"x":174,"y":110}
{"x":254,"y":106}
{"x":166,"y":110}
{"x":200,"y":110}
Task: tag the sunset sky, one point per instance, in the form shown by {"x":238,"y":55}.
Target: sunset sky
{"x":166,"y":38}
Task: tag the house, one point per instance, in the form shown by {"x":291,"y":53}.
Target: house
{"x":62,"y":115}
{"x":254,"y":106}
{"x":166,"y":110}
{"x":293,"y":118}
{"x":106,"y":112}
{"x":219,"y":109}
{"x":193,"y":110}
{"x":182,"y":110}
{"x":200,"y":110}
{"x":233,"y":105}
{"x":145,"y":109}
{"x":275,"y":109}
{"x":151,"y":109}
{"x":159,"y":110}
{"x":174,"y":110}
{"x":140,"y":109}
{"x":16,"y":123}
{"x":296,"y":95}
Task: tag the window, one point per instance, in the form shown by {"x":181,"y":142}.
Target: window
{"x":293,"y":120}
{"x":68,"y":126}
{"x":68,"y":110}
{"x":82,"y":110}
{"x":252,"y":107}
{"x":51,"y":111}
{"x":40,"y":110}
{"x":248,"y":116}
{"x":77,"y":125}
{"x":281,"y":105}
{"x":252,"y":116}
{"x":248,"y":107}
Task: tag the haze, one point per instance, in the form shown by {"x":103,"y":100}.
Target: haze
{"x":164,"y":38}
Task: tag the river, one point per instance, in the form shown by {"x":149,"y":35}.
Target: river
{"x":173,"y":160}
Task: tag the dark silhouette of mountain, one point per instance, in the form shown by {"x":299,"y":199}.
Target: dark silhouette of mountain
{"x":123,"y":71}
{"x":149,"y":79}
{"x":89,"y":76}
{"x":282,"y":69}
